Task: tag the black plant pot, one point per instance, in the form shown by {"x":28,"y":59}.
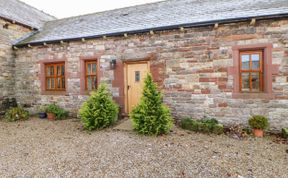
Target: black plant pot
{"x":42,"y":115}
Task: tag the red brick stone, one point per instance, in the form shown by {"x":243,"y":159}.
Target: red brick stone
{"x":222,"y":105}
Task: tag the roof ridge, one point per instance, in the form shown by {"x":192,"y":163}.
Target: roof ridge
{"x":32,"y":7}
{"x":128,"y":7}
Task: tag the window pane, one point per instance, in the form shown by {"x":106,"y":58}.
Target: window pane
{"x":88,"y":69}
{"x":63,"y":83}
{"x":48,"y":71}
{"x":59,"y":83}
{"x":52,"y":70}
{"x":94,"y":82}
{"x":94,"y":68}
{"x":89,"y":83}
{"x":255,"y":81}
{"x":52,"y":84}
{"x":245,"y":82}
{"x":245,"y":61}
{"x":137,"y":76}
{"x":48,"y":83}
{"x":63,"y":70}
{"x":59,"y":70}
{"x":255,"y":61}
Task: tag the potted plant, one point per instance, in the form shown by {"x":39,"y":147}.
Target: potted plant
{"x":42,"y":114}
{"x":55,"y":112}
{"x":258,"y":123}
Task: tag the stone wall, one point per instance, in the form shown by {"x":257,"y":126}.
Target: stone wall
{"x":8,"y":33}
{"x":191,"y":68}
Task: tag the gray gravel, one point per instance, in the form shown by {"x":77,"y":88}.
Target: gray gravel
{"x":39,"y":148}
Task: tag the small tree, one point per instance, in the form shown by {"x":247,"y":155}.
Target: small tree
{"x":151,"y":116}
{"x":99,"y":111}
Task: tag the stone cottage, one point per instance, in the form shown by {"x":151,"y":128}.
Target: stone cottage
{"x":226,"y":59}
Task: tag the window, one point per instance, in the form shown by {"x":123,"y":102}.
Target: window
{"x":137,"y":76}
{"x":55,"y":77}
{"x":251,"y":71}
{"x":91,"y":75}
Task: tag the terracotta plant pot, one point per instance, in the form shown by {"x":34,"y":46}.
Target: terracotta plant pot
{"x":258,"y":133}
{"x":51,"y":116}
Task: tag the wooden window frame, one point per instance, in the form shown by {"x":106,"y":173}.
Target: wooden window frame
{"x":82,"y":71}
{"x":42,"y":76}
{"x":260,"y":70}
{"x":55,"y":77}
{"x":87,"y":62}
{"x":269,"y":69}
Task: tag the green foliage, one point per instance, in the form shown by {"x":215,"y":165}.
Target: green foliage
{"x":285,"y":132}
{"x":57,"y":110}
{"x":218,"y":129}
{"x":99,"y":111}
{"x":211,"y":121}
{"x":259,"y":122}
{"x":189,"y":124}
{"x":151,"y":116}
{"x":205,"y":125}
{"x":16,"y":114}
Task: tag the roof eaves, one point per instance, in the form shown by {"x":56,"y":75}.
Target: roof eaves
{"x":171,"y":27}
{"x":19,"y":23}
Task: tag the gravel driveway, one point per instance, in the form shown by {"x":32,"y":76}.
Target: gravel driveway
{"x":38,"y":148}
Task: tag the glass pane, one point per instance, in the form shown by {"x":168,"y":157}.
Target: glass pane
{"x":58,"y":82}
{"x":63,"y":70}
{"x":255,"y":81}
{"x":89,"y":69}
{"x":245,"y":61}
{"x":89,"y":83}
{"x":48,"y":71}
{"x":59,"y":70}
{"x":255,"y":61}
{"x":63,"y":83}
{"x":94,"y":82}
{"x":94,"y":68}
{"x":52,"y":84}
{"x":51,"y":70}
{"x":48,"y":83}
{"x":137,"y":76}
{"x":245,"y":82}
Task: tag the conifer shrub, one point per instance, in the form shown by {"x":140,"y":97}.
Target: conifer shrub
{"x":16,"y":114}
{"x":99,"y":111}
{"x":151,"y":116}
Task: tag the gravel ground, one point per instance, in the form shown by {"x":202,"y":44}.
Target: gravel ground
{"x":39,"y":148}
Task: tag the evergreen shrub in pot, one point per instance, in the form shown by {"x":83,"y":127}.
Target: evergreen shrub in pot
{"x":55,"y":112}
{"x":258,"y":123}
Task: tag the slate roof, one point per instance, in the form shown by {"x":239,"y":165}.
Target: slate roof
{"x":22,"y":13}
{"x":162,"y":15}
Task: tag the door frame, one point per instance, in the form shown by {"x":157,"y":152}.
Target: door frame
{"x":126,"y":79}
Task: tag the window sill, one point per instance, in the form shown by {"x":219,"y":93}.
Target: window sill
{"x":252,"y":96}
{"x":87,"y":92}
{"x":54,"y":93}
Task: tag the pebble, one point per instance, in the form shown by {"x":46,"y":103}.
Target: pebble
{"x":61,"y":149}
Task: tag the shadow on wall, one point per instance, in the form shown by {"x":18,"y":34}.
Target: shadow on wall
{"x":6,"y":104}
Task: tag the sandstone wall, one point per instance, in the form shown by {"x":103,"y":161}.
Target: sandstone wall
{"x":194,"y":83}
{"x":7,"y":59}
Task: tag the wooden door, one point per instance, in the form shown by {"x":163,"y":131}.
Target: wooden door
{"x":136,"y":74}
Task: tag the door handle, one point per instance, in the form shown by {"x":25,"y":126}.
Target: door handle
{"x":128,"y":87}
